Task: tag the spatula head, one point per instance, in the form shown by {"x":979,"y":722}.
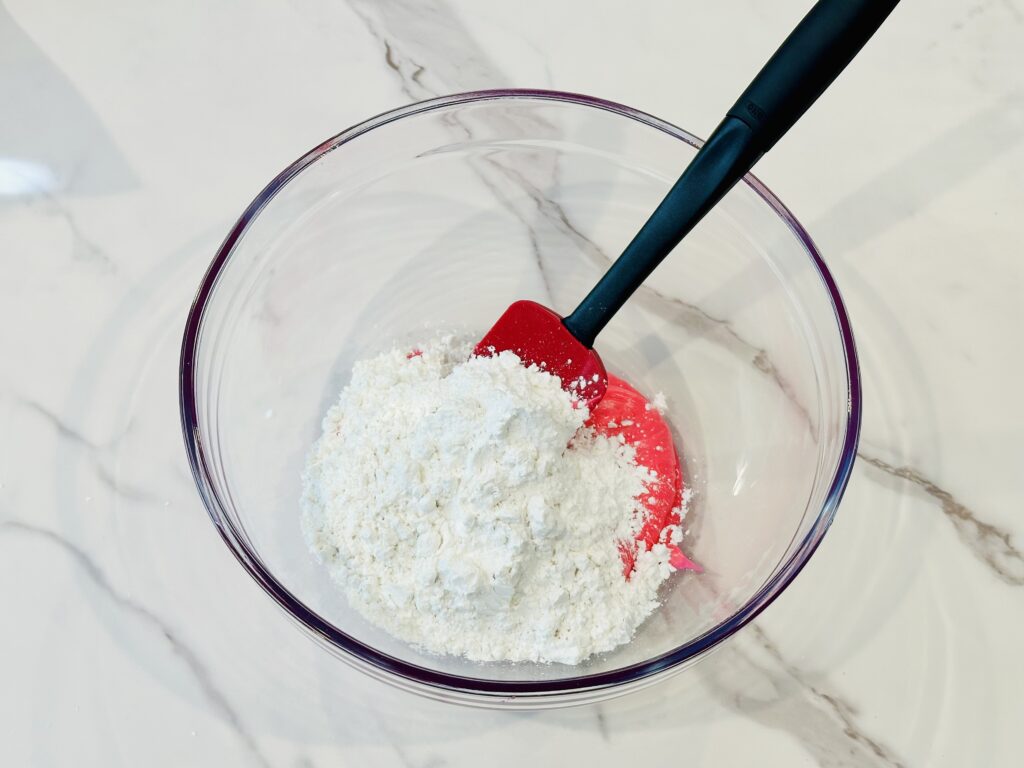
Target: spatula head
{"x":625,"y":413}
{"x":537,"y":336}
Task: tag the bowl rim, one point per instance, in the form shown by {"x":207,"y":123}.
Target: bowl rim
{"x":420,"y":676}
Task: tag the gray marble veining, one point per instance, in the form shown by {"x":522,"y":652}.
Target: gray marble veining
{"x":139,"y":612}
{"x":895,"y":647}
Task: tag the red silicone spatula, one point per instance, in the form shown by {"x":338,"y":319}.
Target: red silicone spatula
{"x":820,"y":47}
{"x":539,"y":336}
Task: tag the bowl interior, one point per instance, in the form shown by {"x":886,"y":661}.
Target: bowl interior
{"x":436,"y":219}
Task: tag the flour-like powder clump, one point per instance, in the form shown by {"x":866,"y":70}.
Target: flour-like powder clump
{"x":463,"y":505}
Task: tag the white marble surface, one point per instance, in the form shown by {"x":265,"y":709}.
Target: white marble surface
{"x":132,"y":134}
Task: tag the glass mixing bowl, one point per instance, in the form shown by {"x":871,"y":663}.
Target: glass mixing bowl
{"x":437,"y":216}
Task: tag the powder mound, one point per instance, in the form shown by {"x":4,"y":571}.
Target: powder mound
{"x":464,"y":507}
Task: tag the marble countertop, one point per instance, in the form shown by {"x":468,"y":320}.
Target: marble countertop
{"x":133,"y":134}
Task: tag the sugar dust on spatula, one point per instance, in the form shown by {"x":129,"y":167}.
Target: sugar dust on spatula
{"x":625,"y":412}
{"x":539,"y":337}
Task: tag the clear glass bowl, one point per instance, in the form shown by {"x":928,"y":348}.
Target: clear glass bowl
{"x":437,"y":216}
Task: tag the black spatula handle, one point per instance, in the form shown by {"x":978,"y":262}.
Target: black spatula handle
{"x":814,"y":54}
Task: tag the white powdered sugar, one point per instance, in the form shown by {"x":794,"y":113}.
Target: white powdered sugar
{"x":462,"y":505}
